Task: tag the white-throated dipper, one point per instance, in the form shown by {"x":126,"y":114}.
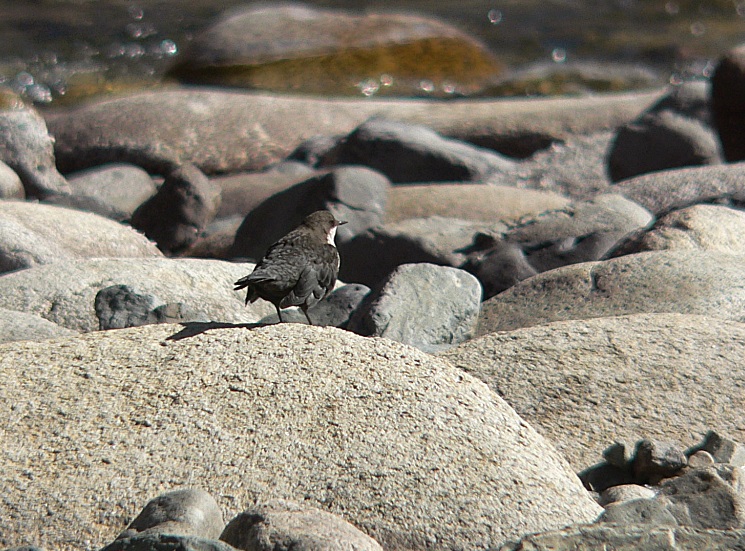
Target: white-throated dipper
{"x":298,"y":270}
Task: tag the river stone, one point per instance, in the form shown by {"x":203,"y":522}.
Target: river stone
{"x":32,"y":234}
{"x":243,"y":192}
{"x":423,"y":305}
{"x":11,"y":186}
{"x":226,"y":131}
{"x":20,"y":326}
{"x":124,"y":187}
{"x":497,"y":264}
{"x":419,"y":453}
{"x":298,"y":48}
{"x":583,"y":382}
{"x":334,"y":310}
{"x":184,"y":512}
{"x":353,"y":194}
{"x":625,"y":492}
{"x":703,"y":227}
{"x":686,"y":282}
{"x":64,"y":292}
{"x":661,"y":192}
{"x":727,"y":91}
{"x":371,"y":256}
{"x":175,"y":216}
{"x":282,"y":524}
{"x":478,"y":202}
{"x":27,"y":148}
{"x":408,"y":153}
{"x":624,"y":537}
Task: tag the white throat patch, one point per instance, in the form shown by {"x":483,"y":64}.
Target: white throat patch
{"x":331,"y":236}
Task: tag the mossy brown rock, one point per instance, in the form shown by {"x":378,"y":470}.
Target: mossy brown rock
{"x":403,"y":445}
{"x":298,"y":48}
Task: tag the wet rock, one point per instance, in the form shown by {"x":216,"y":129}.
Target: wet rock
{"x":121,"y":186}
{"x":120,"y":306}
{"x":661,"y":192}
{"x":673,"y":133}
{"x":182,"y":208}
{"x":356,"y":195}
{"x":727,"y":91}
{"x":423,"y":305}
{"x":325,"y":414}
{"x":477,"y":202}
{"x":687,"y":282}
{"x":20,"y":326}
{"x":32,"y":234}
{"x":571,"y":379}
{"x":27,"y":148}
{"x":408,"y":153}
{"x":11,"y":186}
{"x":334,"y":310}
{"x":371,"y":256}
{"x":225,"y":131}
{"x":656,"y":460}
{"x":283,"y":524}
{"x":294,"y":47}
{"x":185,"y":512}
{"x":700,"y":227}
{"x":65,"y":292}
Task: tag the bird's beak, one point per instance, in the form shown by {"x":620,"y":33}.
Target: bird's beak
{"x":341,"y":223}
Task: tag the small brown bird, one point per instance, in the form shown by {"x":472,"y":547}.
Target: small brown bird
{"x":298,"y":270}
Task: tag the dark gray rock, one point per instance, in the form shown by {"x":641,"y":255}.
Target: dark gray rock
{"x":497,"y":264}
{"x":601,"y":476}
{"x":334,"y":310}
{"x":408,"y":153}
{"x":728,"y":109}
{"x":724,"y":449}
{"x":371,"y":256}
{"x":620,"y":454}
{"x":690,"y":99}
{"x":11,"y":186}
{"x":182,"y":208}
{"x":661,"y":140}
{"x":624,"y":537}
{"x":123,"y":187}
{"x":423,"y":305}
{"x":661,"y":192}
{"x":356,"y":195}
{"x":186,"y":512}
{"x":167,"y":542}
{"x":655,"y":460}
{"x":282,"y":525}
{"x":27,"y":148}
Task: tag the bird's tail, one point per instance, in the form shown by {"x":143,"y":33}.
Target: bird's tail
{"x":242,"y":283}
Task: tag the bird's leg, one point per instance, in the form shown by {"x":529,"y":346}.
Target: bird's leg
{"x":279,"y":313}
{"x":305,"y":311}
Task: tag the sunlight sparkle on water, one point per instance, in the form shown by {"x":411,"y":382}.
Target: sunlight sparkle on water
{"x":495,"y":17}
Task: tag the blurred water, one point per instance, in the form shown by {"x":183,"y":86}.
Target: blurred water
{"x":45,"y":45}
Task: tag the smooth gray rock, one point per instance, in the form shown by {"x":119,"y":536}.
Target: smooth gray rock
{"x":33,"y":234}
{"x":408,"y":153}
{"x":582,"y":383}
{"x":625,"y":492}
{"x":20,"y":326}
{"x":64,"y":292}
{"x":497,"y":264}
{"x":353,"y":194}
{"x":423,"y":305}
{"x":408,"y":448}
{"x":334,"y":310}
{"x":11,"y":186}
{"x":27,"y":148}
{"x":283,"y":525}
{"x":87,"y":204}
{"x":703,"y":227}
{"x":661,"y":140}
{"x":686,"y":282}
{"x":184,"y":512}
{"x":651,"y":511}
{"x":182,"y":208}
{"x":122,"y":186}
{"x":371,"y":256}
{"x":661,"y":192}
{"x":623,"y":537}
{"x":167,"y":542}
{"x":227,"y":131}
{"x":724,"y":449}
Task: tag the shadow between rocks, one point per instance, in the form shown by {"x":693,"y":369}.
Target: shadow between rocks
{"x":194,"y":328}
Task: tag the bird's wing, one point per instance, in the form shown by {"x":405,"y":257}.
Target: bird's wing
{"x":317,"y":278}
